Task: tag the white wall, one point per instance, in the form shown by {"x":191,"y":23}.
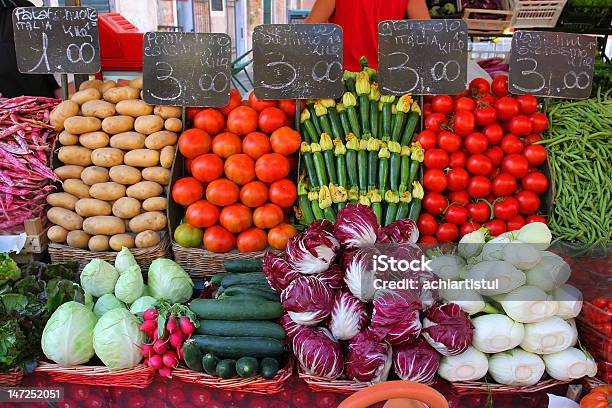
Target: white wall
{"x":141,"y":13}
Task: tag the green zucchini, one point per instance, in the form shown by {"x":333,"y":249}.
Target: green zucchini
{"x":217,"y":278}
{"x":229,"y":309}
{"x":269,"y":368}
{"x":246,"y":366}
{"x":250,"y":278}
{"x":226,"y":368}
{"x":242,"y":265}
{"x":209,"y":363}
{"x":247,"y":328}
{"x":336,"y":125}
{"x":411,"y":122}
{"x":236,"y":347}
{"x":192,"y":355}
{"x":259,"y":291}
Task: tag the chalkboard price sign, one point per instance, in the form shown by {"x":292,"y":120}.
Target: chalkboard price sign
{"x":298,"y":61}
{"x":56,"y":40}
{"x":557,"y":65}
{"x":186,"y":69}
{"x":423,"y":57}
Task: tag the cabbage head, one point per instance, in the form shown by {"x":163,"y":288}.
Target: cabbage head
{"x":117,"y":339}
{"x":145,"y":291}
{"x":168,"y":281}
{"x":141,"y":304}
{"x":68,"y":335}
{"x":99,"y":278}
{"x":129,"y":285}
{"x":106,"y":303}
{"x":88,"y":300}
{"x":125,"y":260}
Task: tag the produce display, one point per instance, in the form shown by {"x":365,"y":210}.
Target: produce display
{"x":116,"y":153}
{"x":239,"y":192}
{"x":443,"y":8}
{"x":482,"y":162}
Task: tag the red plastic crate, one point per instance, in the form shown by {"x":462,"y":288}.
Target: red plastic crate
{"x":120,"y":43}
{"x":596,"y":317}
{"x":604,"y":371}
{"x":598,"y":344}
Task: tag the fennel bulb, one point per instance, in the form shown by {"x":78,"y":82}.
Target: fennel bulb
{"x":471,"y":244}
{"x":569,"y":364}
{"x":494,"y":249}
{"x":516,"y":367}
{"x":529,"y":304}
{"x":522,"y":256}
{"x":549,"y":336}
{"x":447,"y":266}
{"x":494,"y":333}
{"x":467,"y":366}
{"x":468,"y":299}
{"x":551,"y":272}
{"x":536,"y":234}
{"x":569,"y":299}
{"x":498,"y":277}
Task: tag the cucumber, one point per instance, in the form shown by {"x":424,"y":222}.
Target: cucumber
{"x":226,"y":368}
{"x":241,"y":297}
{"x":242,"y":265}
{"x":209,"y":364}
{"x":216,"y":280}
{"x":248,"y":328}
{"x":235,"y":347}
{"x":241,"y":290}
{"x":247,"y":366}
{"x":249,"y":278}
{"x":229,"y":309}
{"x":269,"y":368}
{"x":192,"y":356}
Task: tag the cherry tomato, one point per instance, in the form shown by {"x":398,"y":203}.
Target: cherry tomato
{"x":499,"y":86}
{"x":535,"y":154}
{"x":506,"y":108}
{"x":187,"y":190}
{"x":496,"y":227}
{"x":535,"y":182}
{"x":476,"y":143}
{"x":449,"y":141}
{"x":458,"y":179}
{"x":504,"y":184}
{"x":459,"y":197}
{"x":494,"y":133}
{"x":479,"y":86}
{"x":436,"y":122}
{"x":427,"y":109}
{"x":427,"y":224}
{"x":436,"y":159}
{"x":479,"y":212}
{"x":488,"y":99}
{"x":539,"y":122}
{"x":468,"y":227}
{"x":529,"y":202}
{"x":465,"y":103}
{"x":536,"y":218}
{"x":464,"y":123}
{"x":485,"y":116}
{"x":442,"y":104}
{"x":479,"y":165}
{"x":520,"y":125}
{"x":428,"y":240}
{"x":527,"y":104}
{"x":435,"y":180}
{"x":479,"y":187}
{"x":434,"y":203}
{"x":457,"y":159}
{"x":495,"y":154}
{"x":515,"y":223}
{"x":515,"y":164}
{"x":506,"y":209}
{"x":456,"y":214}
{"x":447,"y":232}
{"x":428,"y":139}
{"x":532,"y":138}
{"x":511,"y":144}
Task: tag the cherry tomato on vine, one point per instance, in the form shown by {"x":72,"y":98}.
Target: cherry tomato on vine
{"x":496,"y":227}
{"x":443,"y":104}
{"x":428,"y":240}
{"x":464,"y":122}
{"x":535,"y":182}
{"x":511,"y":144}
{"x":447,"y":232}
{"x":456,"y":214}
{"x":436,"y":159}
{"x":434,"y":203}
{"x":499,"y":86}
{"x":515,"y":223}
{"x":479,"y":86}
{"x":460,"y":197}
{"x":528,"y":202}
{"x":536,"y":218}
{"x":449,"y":141}
{"x":479,"y":165}
{"x":495,"y":154}
{"x":436,"y":122}
{"x":539,"y":122}
{"x":520,"y":125}
{"x":468,"y":227}
{"x":428,"y":139}
{"x":532,"y":138}
{"x":504,"y":184}
{"x":479,"y":212}
{"x":494,"y":133}
{"x":476,"y":143}
{"x":427,"y":224}
{"x":465,"y":103}
{"x":457,"y":159}
{"x":506,"y":209}
{"x":506,"y":108}
{"x":457,"y":179}
{"x":535,"y":154}
{"x":515,"y":164}
{"x":485,"y":115}
{"x":435,"y":180}
{"x":527,"y":104}
{"x":479,"y":187}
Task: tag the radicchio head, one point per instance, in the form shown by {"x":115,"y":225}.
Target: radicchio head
{"x":291,"y":328}
{"x":331,"y":277}
{"x":368,"y":359}
{"x":278,"y":272}
{"x":313,"y":250}
{"x":307,"y":300}
{"x":395,"y":317}
{"x":402,"y":231}
{"x":348,"y":316}
{"x":318,"y":352}
{"x":356,"y":226}
{"x":416,"y":361}
{"x":448,"y":329}
{"x":359,"y":273}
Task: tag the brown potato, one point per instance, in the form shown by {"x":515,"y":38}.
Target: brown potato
{"x":161,"y":139}
{"x":77,"y":239}
{"x":148,"y":124}
{"x":98,"y":243}
{"x":104,"y":225}
{"x":68,"y":171}
{"x":166,"y":157}
{"x":85,"y":95}
{"x":168,"y":111}
{"x":126,"y":175}
{"x":117,"y":124}
{"x":63,"y":111}
{"x":90,"y":83}
{"x":152,"y":220}
{"x":94,"y":140}
{"x":81,"y":156}
{"x":69,"y":220}
{"x":173,"y":125}
{"x":144,"y":190}
{"x":134,"y":108}
{"x":107,"y":157}
{"x":106,"y":85}
{"x":63,"y":200}
{"x":136,"y":83}
{"x":82,"y":124}
{"x":157,"y":174}
{"x":141,"y":158}
{"x":154,"y":204}
{"x":118,"y":241}
{"x":89,"y":207}
{"x":98,"y":109}
{"x":94,"y":174}
{"x":107,"y":191}
{"x":147,"y":239}
{"x":128,"y":141}
{"x":126,"y":208}
{"x":68,"y":139}
{"x":57,"y":234}
{"x":76,"y":187}
{"x":121,"y":93}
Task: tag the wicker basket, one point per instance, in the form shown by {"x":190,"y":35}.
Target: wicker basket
{"x":144,"y":256}
{"x":255,"y":384}
{"x":477,"y":387}
{"x":138,"y":376}
{"x":336,"y":386}
{"x":12,"y":378}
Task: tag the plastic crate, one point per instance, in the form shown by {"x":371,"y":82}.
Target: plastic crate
{"x":604,"y":371}
{"x":485,"y":21}
{"x":596,"y":317}
{"x":598,"y":344}
{"x":537,"y":13}
{"x":586,"y":17}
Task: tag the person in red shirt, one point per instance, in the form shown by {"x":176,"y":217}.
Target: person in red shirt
{"x":359,"y":21}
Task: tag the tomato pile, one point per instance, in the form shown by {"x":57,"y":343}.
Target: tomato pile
{"x":238,"y":193}
{"x":481,"y":163}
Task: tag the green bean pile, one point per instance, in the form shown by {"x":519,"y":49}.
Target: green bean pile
{"x":579,"y":145}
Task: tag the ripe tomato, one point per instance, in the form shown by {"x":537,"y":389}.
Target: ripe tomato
{"x":535,"y":182}
{"x":236,"y":218}
{"x":535,"y":154}
{"x":254,"y":194}
{"x":495,"y":154}
{"x":279,"y":235}
{"x":479,"y":86}
{"x":427,"y":109}
{"x":434,"y":203}
{"x":207,"y":167}
{"x":496,"y":227}
{"x":271,"y":167}
{"x":516,"y":164}
{"x":260,"y":104}
{"x":511,"y":144}
{"x":191,"y":112}
{"x":515,"y":223}
{"x":504,"y":184}
{"x":520,"y":125}
{"x":468,"y":227}
{"x":449,"y":141}
{"x":288,"y":106}
{"x":539,"y":122}
{"x":271,"y":119}
{"x":459,"y":197}
{"x":202,"y":214}
{"x":226,"y":144}
{"x":456,"y":214}
{"x":488,"y":99}
{"x":234,"y":102}
{"x":442,"y":104}
{"x":485,"y":115}
{"x":256,"y":144}
{"x":527,"y":104}
{"x":285,"y":141}
{"x":457,"y":159}
{"x":268,"y":216}
{"x":427,"y":224}
{"x":240,"y":168}
{"x":427,"y":139}
{"x":506,"y":209}
{"x":499,"y":86}
{"x":476,"y":143}
{"x":506,"y":108}
{"x":536,"y":218}
{"x":218,"y":239}
{"x":435,"y":180}
{"x":436,"y":122}
{"x":479,"y":165}
{"x":447,"y":232}
{"x":532,"y":138}
{"x":186,"y":191}
{"x":242,"y":120}
{"x":429,"y":240}
{"x":465,"y":103}
{"x":194,"y":142}
{"x":479,"y":212}
{"x":464,"y":123}
{"x":458,"y":179}
{"x":479,"y":187}
{"x":222,"y":192}
{"x":283,"y":193}
{"x":528,"y":202}
{"x":209,"y":120}
{"x":494,"y":133}
{"x":436,"y":159}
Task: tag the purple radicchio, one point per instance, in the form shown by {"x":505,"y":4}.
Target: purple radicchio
{"x":291,"y":328}
{"x":348,"y":316}
{"x":331,"y":277}
{"x":368,"y":359}
{"x":318,"y":352}
{"x":448,"y":329}
{"x":313,"y":250}
{"x":395,"y":317}
{"x":307,"y":300}
{"x":356,"y":226}
{"x":278,"y":272}
{"x":402,"y":231}
{"x":416,"y":361}
{"x":359,"y":273}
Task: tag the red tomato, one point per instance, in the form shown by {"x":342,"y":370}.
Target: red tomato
{"x":435,"y":180}
{"x":427,"y":139}
{"x":479,"y":165}
{"x":442,"y":104}
{"x":464,"y":123}
{"x":260,"y":104}
{"x":479,"y":186}
{"x":488,"y":99}
{"x":456,"y":214}
{"x":485,"y":116}
{"x":194,"y":142}
{"x":283,"y":193}
{"x":280,"y":235}
{"x":202,"y":214}
{"x":527,"y":104}
{"x":496,"y":227}
{"x":434,"y":203}
{"x":529,"y":202}
{"x":535,"y":182}
{"x":468,"y":227}
{"x":271,"y":167}
{"x":465,"y":103}
{"x":218,"y":239}
{"x":479,"y":86}
{"x":535,"y":154}
{"x":476,"y":143}
{"x":520,"y":125}
{"x":499,"y":86}
{"x":515,"y":223}
{"x":236,"y":218}
{"x":495,"y":154}
{"x":268,"y":216}
{"x":226,"y":144}
{"x":285,"y":141}
{"x":242,"y":120}
{"x":234,"y":102}
{"x":207,"y":167}
{"x":436,"y":159}
{"x":427,"y":109}
{"x":458,"y":179}
{"x":536,"y":218}
{"x":209,"y":120}
{"x":186,"y":191}
{"x":457,"y":159}
{"x":459,"y":197}
{"x":254,"y":194}
{"x":516,"y":164}
{"x":539,"y":122}
{"x":288,"y":106}
{"x":191,"y":112}
{"x":479,"y":212}
{"x":271,"y":119}
{"x":222,"y":192}
{"x":506,"y":209}
{"x":511,"y":144}
{"x":494,"y":133}
{"x":427,"y":224}
{"x":240,"y":168}
{"x":504,"y":184}
{"x":428,"y":240}
{"x":532,"y":138}
{"x":436,"y":122}
{"x":256,"y":144}
{"x":449,"y":141}
{"x":447,"y":232}
{"x":506,"y":108}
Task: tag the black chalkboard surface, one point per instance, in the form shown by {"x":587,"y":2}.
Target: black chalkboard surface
{"x":186,"y":69}
{"x":557,"y":65}
{"x":298,"y":61}
{"x":423,"y":57}
{"x":56,"y":40}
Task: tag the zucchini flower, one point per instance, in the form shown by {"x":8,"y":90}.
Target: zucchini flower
{"x":338,"y":193}
{"x":349,"y":100}
{"x":387,"y":98}
{"x":364,"y":200}
{"x":353,"y":194}
{"x":373,"y":145}
{"x":349,"y":75}
{"x":301,"y":187}
{"x":384,"y":153}
{"x":403,"y":103}
{"x":305,"y":148}
{"x":417,"y":152}
{"x":380,"y":104}
{"x":315,"y":147}
{"x":393,"y":109}
{"x":406,"y":151}
{"x":313,"y":195}
{"x":352,"y":142}
{"x":391,"y":197}
{"x":394,"y":147}
{"x":374,"y":196}
{"x":326,"y":142}
{"x":320,"y":110}
{"x":328,"y":102}
{"x":371,"y":73}
{"x":340,"y":107}
{"x":363,"y":83}
{"x":417,"y":190}
{"x":405,"y":197}
{"x":325,"y":199}
{"x":415,"y":107}
{"x":363,"y":145}
{"x":340,"y":149}
{"x":304,"y":116}
{"x":374,"y":94}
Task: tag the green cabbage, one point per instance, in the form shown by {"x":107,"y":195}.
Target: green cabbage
{"x":88,"y":300}
{"x":141,"y":304}
{"x":117,"y":339}
{"x":145,"y":291}
{"x":99,"y":278}
{"x":125,"y":260}
{"x":129,"y":285}
{"x":168,"y":281}
{"x":106,"y":303}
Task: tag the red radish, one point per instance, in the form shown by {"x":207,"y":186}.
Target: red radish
{"x":179,"y":352}
{"x":165,"y":372}
{"x":156,"y":361}
{"x":171,"y":325}
{"x":147,"y":350}
{"x":170,"y":359}
{"x":148,"y":325}
{"x":156,"y":334}
{"x":160,"y":346}
{"x":176,"y":340}
{"x":186,"y":326}
{"x":150,"y":314}
{"x":146,"y":362}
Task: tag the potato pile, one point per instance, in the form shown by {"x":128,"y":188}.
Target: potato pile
{"x":116,"y":152}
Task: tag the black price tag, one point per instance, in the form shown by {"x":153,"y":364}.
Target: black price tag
{"x":422,"y":57}
{"x":298,"y":61}
{"x":52,"y":40}
{"x":186,"y":69}
{"x":557,"y":65}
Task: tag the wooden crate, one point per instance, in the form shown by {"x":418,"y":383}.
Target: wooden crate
{"x":36,"y":240}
